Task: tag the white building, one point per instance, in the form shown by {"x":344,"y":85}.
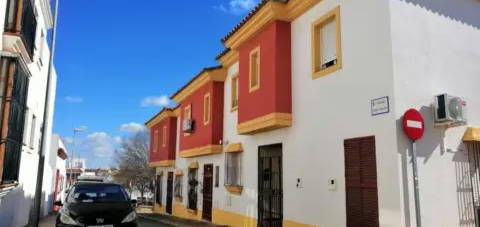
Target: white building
{"x":24,"y":68}
{"x":55,"y":173}
{"x":301,"y":123}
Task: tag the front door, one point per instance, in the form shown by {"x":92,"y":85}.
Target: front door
{"x":270,"y":190}
{"x":207,"y":192}
{"x":361,"y":182}
{"x":169,"y":192}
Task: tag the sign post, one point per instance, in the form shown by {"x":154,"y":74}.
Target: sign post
{"x":414,"y":127}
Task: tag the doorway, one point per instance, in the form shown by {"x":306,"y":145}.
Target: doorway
{"x":168,"y":208}
{"x":361,"y":182}
{"x":270,"y":189}
{"x":207,"y":192}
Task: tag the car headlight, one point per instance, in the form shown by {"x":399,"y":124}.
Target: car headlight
{"x":130,"y":217}
{"x":65,"y":217}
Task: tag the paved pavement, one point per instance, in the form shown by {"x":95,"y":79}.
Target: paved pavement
{"x":49,"y":221}
{"x":147,"y":223}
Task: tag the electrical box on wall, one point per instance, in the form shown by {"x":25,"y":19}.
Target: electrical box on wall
{"x":332,"y":185}
{"x":450,"y":110}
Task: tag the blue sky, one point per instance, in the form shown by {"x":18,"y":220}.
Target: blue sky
{"x":117,"y":60}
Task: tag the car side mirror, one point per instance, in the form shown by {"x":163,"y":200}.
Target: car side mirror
{"x":133,"y":201}
{"x":58,"y":203}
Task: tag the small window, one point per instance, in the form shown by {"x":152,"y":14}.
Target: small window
{"x":254,"y":76}
{"x":187,"y":114}
{"x":192,"y":189}
{"x":326,"y":44}
{"x":164,"y":136}
{"x":178,"y":186}
{"x":206,"y":109}
{"x":217,"y":176}
{"x":33,"y":127}
{"x":234,"y":92}
{"x":155,"y":141}
{"x":158,"y":190}
{"x":233,"y":169}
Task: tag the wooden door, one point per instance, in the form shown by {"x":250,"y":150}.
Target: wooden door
{"x":207,"y":191}
{"x":270,"y":189}
{"x":361,"y":182}
{"x":169,"y":193}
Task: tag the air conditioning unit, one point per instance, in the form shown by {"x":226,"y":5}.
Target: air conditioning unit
{"x":187,"y":125}
{"x":450,"y":110}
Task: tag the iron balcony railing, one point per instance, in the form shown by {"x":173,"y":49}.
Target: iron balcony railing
{"x":21,"y":20}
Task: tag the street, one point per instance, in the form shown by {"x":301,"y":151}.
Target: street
{"x":147,"y":223}
{"x":50,"y":222}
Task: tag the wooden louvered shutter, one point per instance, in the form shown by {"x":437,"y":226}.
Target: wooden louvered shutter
{"x":361,"y":182}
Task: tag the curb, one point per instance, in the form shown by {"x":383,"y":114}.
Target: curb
{"x":176,"y":223}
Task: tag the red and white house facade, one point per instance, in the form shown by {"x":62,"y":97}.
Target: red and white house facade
{"x":300,"y":124}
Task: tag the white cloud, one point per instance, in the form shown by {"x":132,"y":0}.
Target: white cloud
{"x":68,"y":140}
{"x":160,"y":101}
{"x":132,"y":127}
{"x":100,"y":144}
{"x":237,"y":7}
{"x":74,"y":99}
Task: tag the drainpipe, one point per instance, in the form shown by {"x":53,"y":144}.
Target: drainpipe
{"x":41,"y":160}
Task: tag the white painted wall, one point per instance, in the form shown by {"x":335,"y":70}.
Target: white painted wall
{"x":16,"y":205}
{"x":436,"y":50}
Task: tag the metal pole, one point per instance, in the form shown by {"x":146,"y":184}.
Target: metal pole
{"x":418,"y":216}
{"x":71,"y":159}
{"x":41,"y":160}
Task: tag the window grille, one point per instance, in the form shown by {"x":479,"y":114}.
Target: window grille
{"x":192,"y":189}
{"x":158,"y":190}
{"x":233,"y":169}
{"x":16,"y":124}
{"x":178,"y":186}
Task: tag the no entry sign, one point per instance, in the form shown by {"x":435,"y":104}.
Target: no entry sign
{"x":413,"y":124}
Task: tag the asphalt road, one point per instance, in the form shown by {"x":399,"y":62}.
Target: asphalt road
{"x":147,"y":223}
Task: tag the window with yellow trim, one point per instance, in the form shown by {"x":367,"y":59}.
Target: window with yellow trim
{"x":326,"y":44}
{"x":206,"y":108}
{"x":254,"y":72}
{"x":187,"y":114}
{"x":233,"y":164}
{"x":155,"y":141}
{"x":164,"y":136}
{"x":234,"y":92}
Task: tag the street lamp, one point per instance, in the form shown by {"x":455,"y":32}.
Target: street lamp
{"x":75,"y":131}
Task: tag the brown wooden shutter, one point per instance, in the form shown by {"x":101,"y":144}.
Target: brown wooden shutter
{"x":361,"y":182}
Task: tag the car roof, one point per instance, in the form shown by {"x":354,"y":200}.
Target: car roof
{"x":96,"y":183}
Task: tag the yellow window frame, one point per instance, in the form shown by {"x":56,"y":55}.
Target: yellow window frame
{"x":254,"y":64}
{"x":317,"y":70}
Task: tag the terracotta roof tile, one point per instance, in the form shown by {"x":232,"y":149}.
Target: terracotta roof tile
{"x":247,"y":18}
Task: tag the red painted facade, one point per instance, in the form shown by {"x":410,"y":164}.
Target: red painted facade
{"x":275,"y":92}
{"x":158,"y":152}
{"x":209,"y":134}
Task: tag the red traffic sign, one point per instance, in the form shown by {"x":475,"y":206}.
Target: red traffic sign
{"x":413,"y":124}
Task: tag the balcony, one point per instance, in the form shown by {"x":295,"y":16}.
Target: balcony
{"x":163,"y":138}
{"x":201,"y":113}
{"x":20,"y":28}
{"x":265,"y":89}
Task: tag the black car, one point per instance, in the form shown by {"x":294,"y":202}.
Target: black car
{"x":95,"y":204}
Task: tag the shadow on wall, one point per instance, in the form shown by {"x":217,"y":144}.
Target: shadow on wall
{"x":465,"y":11}
{"x":433,"y":141}
{"x":15,"y":208}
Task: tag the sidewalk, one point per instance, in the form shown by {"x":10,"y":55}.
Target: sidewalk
{"x":48,"y":221}
{"x":176,"y":221}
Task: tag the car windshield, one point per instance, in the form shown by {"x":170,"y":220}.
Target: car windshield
{"x":97,"y":193}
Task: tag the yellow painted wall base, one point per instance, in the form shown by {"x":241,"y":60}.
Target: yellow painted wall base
{"x":222,"y":217}
{"x":181,"y":211}
{"x":289,"y":223}
{"x":159,"y":209}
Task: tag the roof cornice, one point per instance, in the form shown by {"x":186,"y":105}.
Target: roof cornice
{"x":266,"y":12}
{"x":217,"y":73}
